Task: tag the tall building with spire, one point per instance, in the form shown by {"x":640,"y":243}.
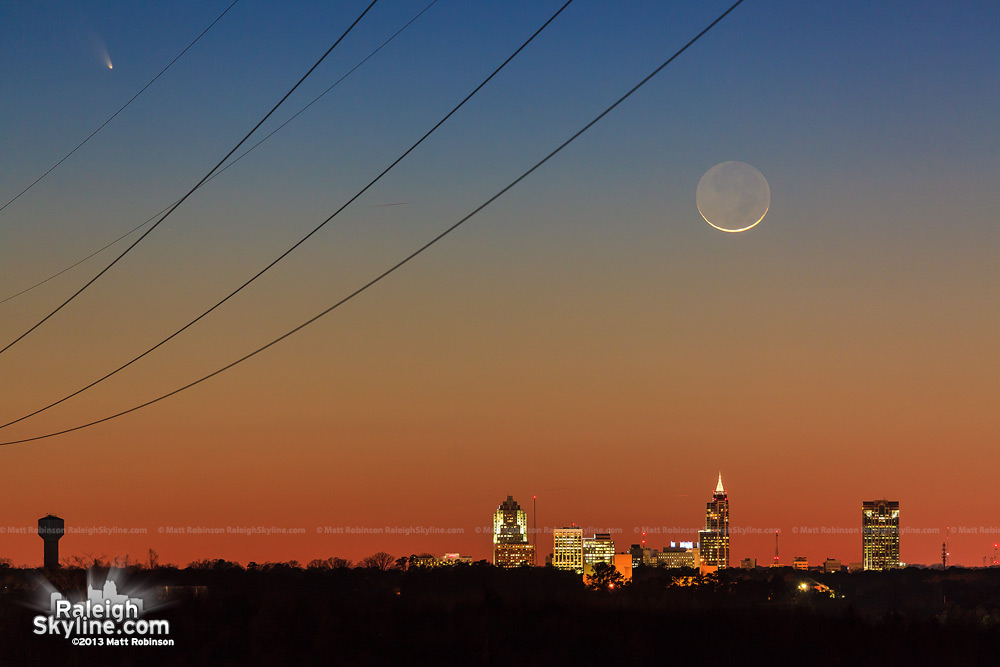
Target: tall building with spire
{"x":510,"y":536}
{"x":714,"y":540}
{"x":880,"y":534}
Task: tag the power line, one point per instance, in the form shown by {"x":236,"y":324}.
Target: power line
{"x":235,"y":160}
{"x":81,"y":261}
{"x":314,"y":230}
{"x":406,"y":259}
{"x":198,"y":185}
{"x":101,"y":126}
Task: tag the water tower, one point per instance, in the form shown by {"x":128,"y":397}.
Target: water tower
{"x":50,"y":529}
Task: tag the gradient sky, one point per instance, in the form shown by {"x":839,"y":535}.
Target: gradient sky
{"x":588,"y":338}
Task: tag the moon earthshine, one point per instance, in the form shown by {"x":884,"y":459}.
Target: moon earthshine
{"x":733,"y":196}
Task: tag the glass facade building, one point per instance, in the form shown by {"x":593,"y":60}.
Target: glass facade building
{"x":598,"y":549}
{"x":714,"y":540}
{"x":880,"y":534}
{"x":567,"y":549}
{"x":510,"y":536}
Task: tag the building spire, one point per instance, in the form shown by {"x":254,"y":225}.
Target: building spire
{"x":718,"y":488}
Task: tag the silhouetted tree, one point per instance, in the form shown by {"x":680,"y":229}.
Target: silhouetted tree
{"x":496,"y":616}
{"x":86,"y":561}
{"x":605,"y":577}
{"x":219,"y":564}
{"x":378,"y":561}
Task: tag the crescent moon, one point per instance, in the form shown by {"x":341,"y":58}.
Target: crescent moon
{"x":733,"y":197}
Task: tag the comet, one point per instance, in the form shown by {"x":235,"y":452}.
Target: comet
{"x":102,"y":50}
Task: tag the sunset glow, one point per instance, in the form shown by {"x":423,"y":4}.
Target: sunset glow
{"x":585,"y":341}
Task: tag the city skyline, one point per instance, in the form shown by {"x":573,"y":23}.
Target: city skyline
{"x":514,"y":543}
{"x":588,"y":338}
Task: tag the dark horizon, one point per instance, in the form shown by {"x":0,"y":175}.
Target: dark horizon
{"x":479,"y":614}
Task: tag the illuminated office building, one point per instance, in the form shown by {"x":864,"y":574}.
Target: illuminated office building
{"x":880,"y":534}
{"x":714,"y":540}
{"x":567,"y":549}
{"x":681,"y":556}
{"x":598,"y":549}
{"x":513,"y":555}
{"x":426,"y":560}
{"x":510,"y":536}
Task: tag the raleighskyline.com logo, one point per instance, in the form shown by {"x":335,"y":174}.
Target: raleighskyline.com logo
{"x":105,"y":618}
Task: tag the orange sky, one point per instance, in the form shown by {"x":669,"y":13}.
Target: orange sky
{"x":588,"y":338}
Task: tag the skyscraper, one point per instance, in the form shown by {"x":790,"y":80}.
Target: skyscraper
{"x":510,"y":536}
{"x":714,"y":540}
{"x":598,"y":549}
{"x":567,"y":548}
{"x":880,"y":534}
